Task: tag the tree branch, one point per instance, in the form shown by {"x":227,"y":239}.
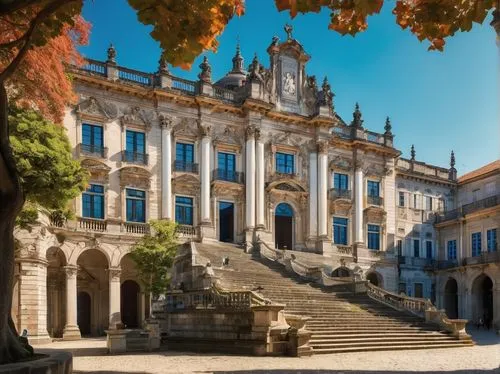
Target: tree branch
{"x":7,"y":9}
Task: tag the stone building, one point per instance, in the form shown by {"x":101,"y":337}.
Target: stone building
{"x":260,"y":154}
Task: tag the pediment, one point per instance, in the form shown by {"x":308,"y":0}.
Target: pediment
{"x":287,"y":138}
{"x":186,"y":127}
{"x":286,"y":185}
{"x":135,"y":176}
{"x":186,"y":183}
{"x":375,"y":214}
{"x":92,"y":107}
{"x":341,"y":163}
{"x":229,"y":136}
{"x":95,"y":165}
{"x":138,"y":117}
{"x":341,"y":207}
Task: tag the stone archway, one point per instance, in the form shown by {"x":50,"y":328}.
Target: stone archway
{"x":93,"y":279}
{"x":451,"y":298}
{"x":482,"y":299}
{"x":284,"y":226}
{"x":375,"y":278}
{"x":56,"y":296}
{"x":130,"y":304}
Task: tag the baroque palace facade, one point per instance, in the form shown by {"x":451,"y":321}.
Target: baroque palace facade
{"x":257,"y":155}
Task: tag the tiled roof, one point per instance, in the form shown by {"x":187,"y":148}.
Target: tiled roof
{"x":492,"y":166}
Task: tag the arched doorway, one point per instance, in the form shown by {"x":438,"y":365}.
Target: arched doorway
{"x":129,"y":304}
{"x":283,"y":226}
{"x":83,"y":312}
{"x":341,"y":272}
{"x":482,"y":299}
{"x":451,"y":298}
{"x":374,"y":278}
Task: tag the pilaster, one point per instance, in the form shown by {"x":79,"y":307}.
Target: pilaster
{"x":71,"y":330}
{"x":115,"y":321}
{"x":250,"y":178}
{"x":166,"y":163}
{"x":260,"y":181}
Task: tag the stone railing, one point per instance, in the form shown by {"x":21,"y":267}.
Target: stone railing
{"x":343,"y":249}
{"x":483,"y":258}
{"x":456,"y":327}
{"x":135,"y":157}
{"x":405,"y":303}
{"x":135,"y":227}
{"x":94,"y":67}
{"x":374,"y":137}
{"x":92,"y":224}
{"x":306,"y":271}
{"x":224,"y":94}
{"x":488,"y":202}
{"x":422,"y":168}
{"x":135,"y":76}
{"x":186,"y":232}
{"x":184,"y":85}
{"x":269,"y":252}
{"x":337,"y":193}
{"x":91,"y":150}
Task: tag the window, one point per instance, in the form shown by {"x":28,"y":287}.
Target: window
{"x":399,"y":246}
{"x":92,"y":138}
{"x":475,"y":194}
{"x":226,"y":164}
{"x":416,"y":248}
{"x":284,"y":163}
{"x":340,"y":230}
{"x":373,"y":188}
{"x":136,"y":205}
{"x":428,"y":249}
{"x":184,"y":210}
{"x":401,"y":199}
{"x":135,"y":148}
{"x":340,"y":181}
{"x":374,"y":237}
{"x":184,"y":152}
{"x":452,"y":249}
{"x":491,"y":238}
{"x":476,"y":244}
{"x":93,"y":202}
{"x":428,"y":203}
{"x":419,"y":290}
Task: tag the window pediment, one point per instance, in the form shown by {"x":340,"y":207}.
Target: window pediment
{"x":97,"y":110}
{"x":135,"y":177}
{"x":138,"y":118}
{"x":99,"y":171}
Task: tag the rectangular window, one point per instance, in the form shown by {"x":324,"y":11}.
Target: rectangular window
{"x":491,"y":238}
{"x":416,"y":248}
{"x":285,"y":163}
{"x":419,"y":290}
{"x":374,"y":237}
{"x":226,"y":165}
{"x":340,"y":181}
{"x":428,"y":203}
{"x":399,"y":246}
{"x":428,"y":249}
{"x":476,"y":244}
{"x":401,"y":199}
{"x":184,"y":152}
{"x":184,"y":210}
{"x":452,"y":249}
{"x":136,"y":142}
{"x":92,"y":135}
{"x":373,"y":188}
{"x":340,"y":230}
{"x":136,"y":205}
{"x":93,"y":202}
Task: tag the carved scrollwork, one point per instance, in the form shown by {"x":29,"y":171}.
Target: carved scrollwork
{"x":98,"y":170}
{"x":341,"y":163}
{"x":137,"y":116}
{"x":96,"y":108}
{"x":70,"y":271}
{"x":135,"y":177}
{"x":205,"y":129}
{"x":114,"y":274}
{"x":186,"y":127}
{"x":165,"y":121}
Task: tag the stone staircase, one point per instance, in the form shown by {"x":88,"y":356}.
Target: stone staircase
{"x":340,"y":321}
{"x":137,"y":341}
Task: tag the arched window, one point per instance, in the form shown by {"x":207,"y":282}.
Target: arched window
{"x":284,"y":210}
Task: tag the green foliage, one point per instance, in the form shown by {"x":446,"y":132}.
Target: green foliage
{"x":154,"y":255}
{"x":28,"y":216}
{"x":49,"y":175}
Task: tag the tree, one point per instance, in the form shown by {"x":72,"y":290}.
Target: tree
{"x":154,"y":255}
{"x":49,"y":175}
{"x":184,"y":29}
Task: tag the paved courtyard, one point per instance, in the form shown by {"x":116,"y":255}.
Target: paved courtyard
{"x":90,"y":357}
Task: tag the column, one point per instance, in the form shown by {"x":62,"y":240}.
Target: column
{"x":250,"y":178}
{"x":166,"y":163}
{"x":313,"y":195}
{"x":322,"y":190}
{"x":260,"y":167}
{"x":115,"y":319}
{"x":205,"y":176}
{"x":358,"y":203}
{"x":71,"y":330}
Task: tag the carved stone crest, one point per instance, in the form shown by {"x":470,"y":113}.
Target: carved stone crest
{"x":137,"y":116}
{"x":135,"y":177}
{"x":96,"y":108}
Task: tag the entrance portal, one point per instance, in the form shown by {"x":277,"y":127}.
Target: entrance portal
{"x":226,"y":222}
{"x":83,"y":312}
{"x":283,"y":226}
{"x":129,"y":305}
{"x":451,"y":298}
{"x":373,"y":278}
{"x":482,"y":299}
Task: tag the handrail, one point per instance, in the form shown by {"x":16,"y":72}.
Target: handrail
{"x":270,"y":253}
{"x":413,"y":305}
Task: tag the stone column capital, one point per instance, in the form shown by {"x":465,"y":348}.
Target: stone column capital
{"x":250,"y":132}
{"x":165,"y":121}
{"x":70,"y":271}
{"x":114,"y":273}
{"x":322,"y":146}
{"x":205,"y":130}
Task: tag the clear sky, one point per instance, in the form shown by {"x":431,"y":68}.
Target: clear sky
{"x":437,"y":101}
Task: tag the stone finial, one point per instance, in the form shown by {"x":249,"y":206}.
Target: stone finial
{"x":206,"y":71}
{"x":412,"y":152}
{"x":111,"y":55}
{"x":254,"y":68}
{"x":274,"y":41}
{"x":327,"y":92}
{"x":356,"y":117}
{"x":288,"y":29}
{"x":452,"y":172}
{"x":162,"y":65}
{"x":238,"y":59}
{"x":452,"y":159}
{"x":388,"y":127}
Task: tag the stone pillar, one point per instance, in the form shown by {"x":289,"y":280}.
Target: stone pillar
{"x":358,"y":203}
{"x":250,"y":179}
{"x":313,"y":195}
{"x":71,"y":330}
{"x":322,"y":190}
{"x":115,"y":319}
{"x":205,"y":177}
{"x":166,"y":164}
{"x":32,"y":291}
{"x":260,"y":166}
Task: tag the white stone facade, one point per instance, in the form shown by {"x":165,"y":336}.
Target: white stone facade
{"x":284,"y":143}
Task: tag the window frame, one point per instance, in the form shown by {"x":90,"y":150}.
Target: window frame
{"x":92,"y":134}
{"x":451,"y":248}
{"x":476,"y":244}
{"x":287,"y":156}
{"x":184,"y":206}
{"x":92,"y":196}
{"x":368,"y":189}
{"x":341,"y":177}
{"x":429,"y":250}
{"x":416,"y":249}
{"x":134,"y":200}
{"x":401,"y":200}
{"x":134,"y":134}
{"x":492,"y":243}
{"x":371,"y":234}
{"x":341,"y":226}
{"x":185,"y":144}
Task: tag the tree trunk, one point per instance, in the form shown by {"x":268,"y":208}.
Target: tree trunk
{"x":12,"y":348}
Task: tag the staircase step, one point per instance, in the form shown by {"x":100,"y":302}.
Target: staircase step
{"x":386,"y":348}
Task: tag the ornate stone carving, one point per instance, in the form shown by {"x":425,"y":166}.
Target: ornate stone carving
{"x":165,"y":121}
{"x":250,"y":132}
{"x":287,"y":138}
{"x":137,"y":116}
{"x":96,"y":108}
{"x":341,"y":163}
{"x":98,"y":170}
{"x":375,"y":214}
{"x":135,"y":177}
{"x":206,"y":71}
{"x":187,"y":127}
{"x":186,"y":183}
{"x":70,"y":271}
{"x":114,"y":274}
{"x":376,"y":170}
{"x":341,"y":207}
{"x":322,"y":146}
{"x":205,"y":129}
{"x":229,"y":135}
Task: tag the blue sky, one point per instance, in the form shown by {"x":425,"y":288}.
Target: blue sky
{"x":437,"y":101}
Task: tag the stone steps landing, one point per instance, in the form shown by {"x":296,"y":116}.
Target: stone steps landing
{"x":340,"y":321}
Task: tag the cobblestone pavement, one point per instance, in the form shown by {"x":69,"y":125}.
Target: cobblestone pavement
{"x":90,"y":357}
